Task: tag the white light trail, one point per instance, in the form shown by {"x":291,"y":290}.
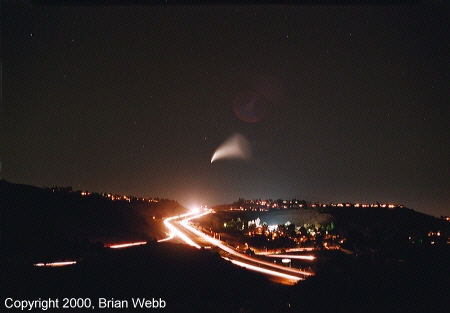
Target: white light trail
{"x":126,"y":245}
{"x":245,"y":261}
{"x":177,"y":232}
{"x":292,"y":256}
{"x":265,"y":271}
{"x":170,"y":236}
{"x":235,"y":147}
{"x":220,"y":245}
{"x":54,"y":264}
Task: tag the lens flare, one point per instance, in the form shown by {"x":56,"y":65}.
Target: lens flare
{"x":250,"y":107}
{"x":235,"y":147}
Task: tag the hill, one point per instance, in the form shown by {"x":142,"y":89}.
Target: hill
{"x":40,"y":224}
{"x":390,"y":232}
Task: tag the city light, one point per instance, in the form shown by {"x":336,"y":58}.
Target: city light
{"x":195,"y":210}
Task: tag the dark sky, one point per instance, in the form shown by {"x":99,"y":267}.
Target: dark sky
{"x":338,"y":103}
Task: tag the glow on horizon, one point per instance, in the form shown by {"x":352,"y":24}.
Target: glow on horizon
{"x":195,"y":210}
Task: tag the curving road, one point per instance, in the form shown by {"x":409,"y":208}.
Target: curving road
{"x":180,"y":227}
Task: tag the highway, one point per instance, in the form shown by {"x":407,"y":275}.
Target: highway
{"x":180,"y":227}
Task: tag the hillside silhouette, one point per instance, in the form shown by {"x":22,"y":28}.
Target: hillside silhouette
{"x":44,"y":224}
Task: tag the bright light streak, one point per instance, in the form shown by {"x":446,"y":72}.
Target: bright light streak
{"x":177,"y":232}
{"x":219,"y":244}
{"x":126,"y":245}
{"x":171,"y":236}
{"x":234,"y":147}
{"x":54,"y":264}
{"x":278,"y":270}
{"x":263,"y":270}
{"x":291,"y":256}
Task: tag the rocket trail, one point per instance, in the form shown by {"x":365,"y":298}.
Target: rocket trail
{"x":235,"y":147}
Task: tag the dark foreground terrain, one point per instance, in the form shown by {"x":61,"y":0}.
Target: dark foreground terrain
{"x":187,"y":279}
{"x":38,"y":226}
{"x":191,"y":280}
{"x":50,"y":224}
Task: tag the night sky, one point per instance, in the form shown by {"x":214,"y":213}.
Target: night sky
{"x":335,"y":103}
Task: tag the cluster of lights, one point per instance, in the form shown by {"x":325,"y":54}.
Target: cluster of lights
{"x":265,"y":205}
{"x":120,"y":197}
{"x":273,"y":232}
{"x":373,"y":205}
{"x":260,"y":209}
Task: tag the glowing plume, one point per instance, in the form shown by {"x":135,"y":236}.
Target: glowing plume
{"x":236,"y":147}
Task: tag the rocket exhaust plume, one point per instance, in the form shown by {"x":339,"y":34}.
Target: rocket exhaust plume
{"x":235,"y":147}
